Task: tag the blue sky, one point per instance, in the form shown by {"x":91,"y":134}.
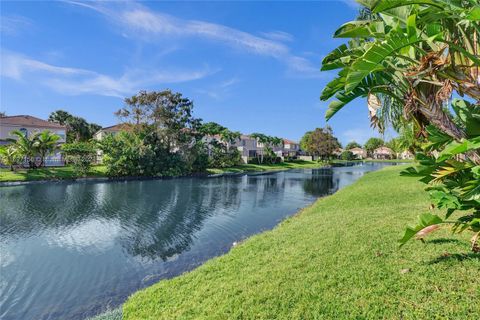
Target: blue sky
{"x":251,"y":66}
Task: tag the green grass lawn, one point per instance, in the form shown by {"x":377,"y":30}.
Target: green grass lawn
{"x":66,"y":172}
{"x":298,"y":164}
{"x":337,"y":259}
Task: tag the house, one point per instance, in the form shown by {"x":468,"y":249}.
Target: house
{"x":338,"y":152}
{"x":113,"y":130}
{"x":406,"y":155}
{"x":290,"y":148}
{"x":383,"y":153}
{"x":359,"y":153}
{"x":247,"y":146}
{"x":30,"y":125}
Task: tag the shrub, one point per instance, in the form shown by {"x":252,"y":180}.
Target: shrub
{"x":453,"y":177}
{"x":347,"y":155}
{"x":81,"y":155}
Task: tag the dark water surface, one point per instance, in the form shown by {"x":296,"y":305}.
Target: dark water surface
{"x":72,"y":250}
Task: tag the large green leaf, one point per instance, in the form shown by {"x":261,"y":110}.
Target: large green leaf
{"x":424,"y":220}
{"x":469,"y":114}
{"x":455,"y":148}
{"x":383,"y":5}
{"x":360,"y":29}
{"x":342,"y":100}
{"x":372,"y":60}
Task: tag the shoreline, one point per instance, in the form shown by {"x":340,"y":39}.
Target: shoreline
{"x":227,"y":172}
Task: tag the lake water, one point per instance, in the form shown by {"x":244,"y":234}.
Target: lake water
{"x":72,"y":250}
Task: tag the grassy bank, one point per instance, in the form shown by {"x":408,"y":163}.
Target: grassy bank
{"x":47,"y":173}
{"x":268,"y":167}
{"x":67,"y":172}
{"x":337,"y":259}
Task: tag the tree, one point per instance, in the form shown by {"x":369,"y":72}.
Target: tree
{"x":169,"y":113}
{"x":25,"y":146}
{"x":347,"y":155}
{"x":372,"y":144}
{"x":408,"y":58}
{"x":78,"y":129}
{"x":321,"y":142}
{"x":352,"y":144}
{"x":10,"y":156}
{"x":304,"y":140}
{"x":81,"y":155}
{"x":267,"y":143}
{"x":45,"y":144}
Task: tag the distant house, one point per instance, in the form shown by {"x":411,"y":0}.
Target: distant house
{"x":290,"y":148}
{"x":383,"y":153}
{"x":112,"y":130}
{"x":406,"y":155}
{"x":359,"y":153}
{"x":338,"y":152}
{"x":247,"y":146}
{"x":30,"y":125}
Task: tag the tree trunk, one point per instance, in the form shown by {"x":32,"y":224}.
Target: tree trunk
{"x":436,"y":116}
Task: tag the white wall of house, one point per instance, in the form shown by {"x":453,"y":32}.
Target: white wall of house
{"x":6,"y":129}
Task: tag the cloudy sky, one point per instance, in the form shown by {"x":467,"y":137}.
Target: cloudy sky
{"x":251,"y":66}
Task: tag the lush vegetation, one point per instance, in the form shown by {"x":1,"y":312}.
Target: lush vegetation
{"x":408,"y":58}
{"x":337,"y":259}
{"x":31,"y":149}
{"x":78,"y":129}
{"x":81,"y":155}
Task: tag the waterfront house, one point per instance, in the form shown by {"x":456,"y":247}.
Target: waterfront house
{"x":383,"y":153}
{"x":112,"y":130}
{"x":406,"y":155}
{"x":30,"y":125}
{"x":290,"y":148}
{"x":359,"y":153}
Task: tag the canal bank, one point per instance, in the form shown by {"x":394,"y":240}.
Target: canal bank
{"x":337,"y":259}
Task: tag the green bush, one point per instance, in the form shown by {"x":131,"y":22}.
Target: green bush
{"x":347,"y":155}
{"x":81,"y":155}
{"x":453,"y":177}
{"x":221,"y":157}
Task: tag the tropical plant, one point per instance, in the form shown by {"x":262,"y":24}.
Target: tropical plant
{"x":81,"y":155}
{"x":9,"y":156}
{"x":453,"y":179}
{"x":266,"y":144}
{"x":408,"y":58}
{"x":46,"y":143}
{"x":25,"y":146}
{"x":78,"y":129}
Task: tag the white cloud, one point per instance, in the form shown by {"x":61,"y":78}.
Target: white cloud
{"x":13,"y":24}
{"x":74,"y":81}
{"x":137,"y":21}
{"x":278,"y":35}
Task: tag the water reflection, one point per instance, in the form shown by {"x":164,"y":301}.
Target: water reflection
{"x":70,"y":250}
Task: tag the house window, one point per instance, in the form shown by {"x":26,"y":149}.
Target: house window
{"x":24,"y":131}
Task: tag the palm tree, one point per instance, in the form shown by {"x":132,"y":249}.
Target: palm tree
{"x":407,"y":58}
{"x":46,"y":143}
{"x":26,"y":147}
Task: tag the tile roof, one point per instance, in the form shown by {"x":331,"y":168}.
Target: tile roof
{"x":29,"y":121}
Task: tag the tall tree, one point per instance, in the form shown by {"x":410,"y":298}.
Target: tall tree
{"x":78,"y":129}
{"x":352,"y":144}
{"x":407,"y":59}
{"x":46,"y":143}
{"x":321,"y":142}
{"x":372,"y":144}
